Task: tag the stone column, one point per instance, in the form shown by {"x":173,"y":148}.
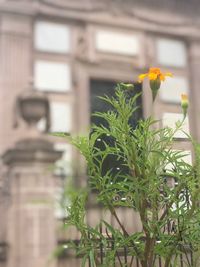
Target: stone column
{"x":31,"y":224}
{"x":194,"y":67}
{"x":4,"y":201}
{"x":16,"y":70}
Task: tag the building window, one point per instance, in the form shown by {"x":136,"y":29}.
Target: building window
{"x":52,"y":76}
{"x":62,"y":171}
{"x":118,"y":43}
{"x":63,"y":166}
{"x":170,"y":120}
{"x":171,"y":53}
{"x":106,"y":87}
{"x":101,"y":88}
{"x":60,"y":117}
{"x":172,"y":89}
{"x":52,"y":37}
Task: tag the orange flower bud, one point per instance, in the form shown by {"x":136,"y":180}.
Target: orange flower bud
{"x":184,"y":104}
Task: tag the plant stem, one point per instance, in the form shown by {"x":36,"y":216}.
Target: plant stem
{"x":113,"y":212}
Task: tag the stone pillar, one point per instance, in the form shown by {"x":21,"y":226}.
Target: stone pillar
{"x":16,"y":70}
{"x":194,"y":67}
{"x":4,"y":201}
{"x":31,"y":224}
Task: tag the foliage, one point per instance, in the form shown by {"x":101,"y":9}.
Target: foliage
{"x":153,"y":180}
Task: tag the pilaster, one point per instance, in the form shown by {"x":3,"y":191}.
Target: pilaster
{"x":30,"y":222}
{"x":15,"y":70}
{"x":194,"y":67}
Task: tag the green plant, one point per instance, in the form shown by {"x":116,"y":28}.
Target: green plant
{"x":153,"y":181}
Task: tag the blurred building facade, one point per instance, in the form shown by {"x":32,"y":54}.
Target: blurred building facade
{"x":60,"y":50}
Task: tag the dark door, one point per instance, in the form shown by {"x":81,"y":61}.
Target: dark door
{"x":102,"y":88}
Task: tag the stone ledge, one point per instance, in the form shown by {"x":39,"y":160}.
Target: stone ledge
{"x":31,"y":150}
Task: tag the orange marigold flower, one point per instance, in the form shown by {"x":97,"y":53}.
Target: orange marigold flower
{"x":155,"y":77}
{"x":154,"y":74}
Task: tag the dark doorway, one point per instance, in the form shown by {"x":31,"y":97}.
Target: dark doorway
{"x":102,"y":88}
{"x":107,"y":87}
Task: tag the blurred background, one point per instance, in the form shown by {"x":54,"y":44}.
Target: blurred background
{"x":56,"y":56}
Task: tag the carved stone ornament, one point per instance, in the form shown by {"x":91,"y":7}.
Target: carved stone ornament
{"x":82,"y":46}
{"x":31,"y":106}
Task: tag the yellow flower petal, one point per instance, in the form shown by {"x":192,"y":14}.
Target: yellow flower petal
{"x":142,"y":76}
{"x":169,"y":74}
{"x":162,"y":77}
{"x":152,"y":76}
